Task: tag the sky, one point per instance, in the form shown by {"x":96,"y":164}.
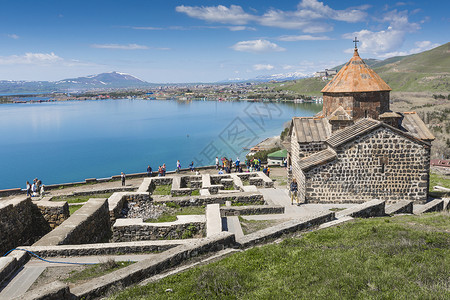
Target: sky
{"x":208,"y":41}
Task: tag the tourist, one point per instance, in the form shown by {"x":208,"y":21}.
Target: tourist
{"x":191,"y":166}
{"x":237,"y":164}
{"x":220,"y":172}
{"x":42,"y":190}
{"x":240,"y":169}
{"x":294,"y":190}
{"x":265,"y":170}
{"x":230,"y":163}
{"x":268,"y":171}
{"x":160,"y":171}
{"x":28,"y":189}
{"x":197,"y":173}
{"x":122,"y":176}
{"x":38,"y":185}
{"x":33,"y":190}
{"x":149,"y":171}
{"x":217,"y":163}
{"x":178,"y":166}
{"x":164,"y":170}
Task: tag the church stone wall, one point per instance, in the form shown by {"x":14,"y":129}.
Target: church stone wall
{"x":307,"y":149}
{"x":380,"y":165}
{"x":360,"y":105}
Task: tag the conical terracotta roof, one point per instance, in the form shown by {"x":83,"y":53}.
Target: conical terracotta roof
{"x":356,"y":77}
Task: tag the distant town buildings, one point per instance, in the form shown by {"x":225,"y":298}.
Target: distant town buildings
{"x":327,"y":74}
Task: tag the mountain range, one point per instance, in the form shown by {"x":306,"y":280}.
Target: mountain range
{"x":103,"y":81}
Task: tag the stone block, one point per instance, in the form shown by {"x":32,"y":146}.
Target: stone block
{"x":213,"y":219}
{"x":374,"y":208}
{"x":401,"y":207}
{"x":432,"y":206}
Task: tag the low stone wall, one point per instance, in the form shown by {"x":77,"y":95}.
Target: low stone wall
{"x":52,"y":291}
{"x":106,"y":248}
{"x":248,"y":198}
{"x":11,"y":263}
{"x":139,"y":271}
{"x":374,"y":208}
{"x":284,"y":228}
{"x":401,"y":207}
{"x":432,"y":206}
{"x":267,"y":182}
{"x":9,"y":192}
{"x":89,"y":224}
{"x":21,"y":223}
{"x":54,"y":212}
{"x":229,"y":211}
{"x":127,"y":230}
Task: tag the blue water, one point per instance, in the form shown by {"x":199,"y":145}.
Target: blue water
{"x":70,"y":141}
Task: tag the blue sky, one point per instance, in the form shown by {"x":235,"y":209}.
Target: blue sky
{"x":207,"y":41}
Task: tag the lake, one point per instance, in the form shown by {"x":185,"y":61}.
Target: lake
{"x":70,"y":141}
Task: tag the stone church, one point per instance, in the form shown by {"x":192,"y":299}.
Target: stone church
{"x":357,"y":149}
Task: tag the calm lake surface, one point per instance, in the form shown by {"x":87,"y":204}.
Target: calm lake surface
{"x":70,"y":141}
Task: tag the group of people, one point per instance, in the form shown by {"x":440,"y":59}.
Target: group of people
{"x":35,"y":189}
{"x":228,"y":165}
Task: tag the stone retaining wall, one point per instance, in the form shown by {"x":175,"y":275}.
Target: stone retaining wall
{"x":127,"y":230}
{"x":21,"y":223}
{"x":54,"y":212}
{"x":229,"y":211}
{"x":89,"y":224}
{"x":248,"y":198}
{"x":106,"y":248}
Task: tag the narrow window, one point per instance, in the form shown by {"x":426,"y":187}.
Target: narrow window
{"x":366,"y":112}
{"x":382,"y":168}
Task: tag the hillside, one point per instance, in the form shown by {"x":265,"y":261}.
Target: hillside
{"x":427,"y":71}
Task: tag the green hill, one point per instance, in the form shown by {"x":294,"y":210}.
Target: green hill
{"x":427,"y":71}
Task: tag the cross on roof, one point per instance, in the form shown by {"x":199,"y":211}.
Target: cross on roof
{"x":355,"y":41}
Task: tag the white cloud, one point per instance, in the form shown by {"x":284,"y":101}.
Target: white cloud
{"x":257,"y":46}
{"x":30,"y":59}
{"x":147,"y":28}
{"x":13,"y":36}
{"x":386,"y":41}
{"x":222,"y":14}
{"x":305,"y":37}
{"x":310,"y":16}
{"x":259,"y":67}
{"x":121,"y":47}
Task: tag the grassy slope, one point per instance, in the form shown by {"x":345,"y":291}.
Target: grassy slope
{"x":404,"y":257}
{"x":426,"y":72}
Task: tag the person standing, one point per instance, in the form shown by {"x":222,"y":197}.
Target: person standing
{"x":268,"y":171}
{"x":217,"y":163}
{"x":28,"y":189}
{"x":164,"y":170}
{"x":122,"y":176}
{"x":191,"y":166}
{"x":160,"y":171}
{"x":33,"y":189}
{"x":178,"y":166}
{"x":149,"y":171}
{"x":237,"y":163}
{"x":294,"y":190}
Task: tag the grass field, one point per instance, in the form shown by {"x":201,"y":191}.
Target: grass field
{"x":403,"y":257}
